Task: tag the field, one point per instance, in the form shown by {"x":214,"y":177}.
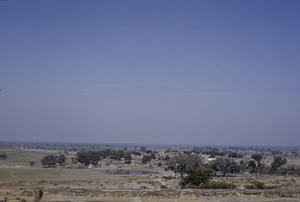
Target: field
{"x":20,"y":181}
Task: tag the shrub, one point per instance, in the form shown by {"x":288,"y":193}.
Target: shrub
{"x":215,"y":185}
{"x":196,"y":176}
{"x":200,"y":179}
{"x":259,"y":185}
{"x":3,"y":156}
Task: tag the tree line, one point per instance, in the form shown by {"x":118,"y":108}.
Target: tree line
{"x":93,"y":157}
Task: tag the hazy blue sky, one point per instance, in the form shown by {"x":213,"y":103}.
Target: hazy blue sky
{"x":188,"y":72}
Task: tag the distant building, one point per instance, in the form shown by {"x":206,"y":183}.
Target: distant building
{"x":22,"y":148}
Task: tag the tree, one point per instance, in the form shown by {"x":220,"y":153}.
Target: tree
{"x":3,"y":156}
{"x":182,"y":162}
{"x":149,"y":151}
{"x":61,"y":159}
{"x":87,"y":157}
{"x":127,"y":158}
{"x":146,"y":158}
{"x":136,"y":153}
{"x":49,"y":160}
{"x":83,"y":157}
{"x":257,"y":157}
{"x":196,"y":176}
{"x":117,"y":155}
{"x":277,"y":163}
{"x":251,"y":164}
{"x":235,"y":155}
{"x":225,"y":166}
{"x":196,"y":150}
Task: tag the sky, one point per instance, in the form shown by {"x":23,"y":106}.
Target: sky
{"x":203,"y":72}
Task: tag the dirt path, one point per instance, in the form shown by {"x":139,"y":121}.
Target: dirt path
{"x":12,"y":175}
{"x":181,"y":194}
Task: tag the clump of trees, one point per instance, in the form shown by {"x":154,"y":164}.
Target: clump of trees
{"x":51,"y":160}
{"x":224,"y":166}
{"x":87,"y":157}
{"x":260,"y":166}
{"x":255,"y":164}
{"x":61,"y":159}
{"x":235,"y":155}
{"x":127,"y":158}
{"x":252,"y":165}
{"x":198,"y":178}
{"x":3,"y":156}
{"x":148,"y":158}
{"x":136,"y":153}
{"x":214,"y":153}
{"x":182,"y":162}
{"x":277,"y":163}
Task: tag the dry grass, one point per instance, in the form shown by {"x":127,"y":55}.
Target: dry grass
{"x":19,"y":180}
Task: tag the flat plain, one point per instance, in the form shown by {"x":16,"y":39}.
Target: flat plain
{"x":19,"y":181}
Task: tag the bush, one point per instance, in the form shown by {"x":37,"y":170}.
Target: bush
{"x":196,"y":177}
{"x":215,"y":185}
{"x":182,"y":162}
{"x":200,"y":179}
{"x":259,"y":185}
{"x":224,"y":165}
{"x":147,"y":158}
{"x":3,"y":156}
{"x":49,"y":160}
{"x":31,"y":163}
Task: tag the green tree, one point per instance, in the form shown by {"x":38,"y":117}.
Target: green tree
{"x":251,"y":164}
{"x":235,"y":155}
{"x":83,"y":157}
{"x":3,"y":156}
{"x":61,"y":159}
{"x":136,"y":153}
{"x":117,"y":155}
{"x":257,"y":157}
{"x":149,"y":151}
{"x":182,"y":162}
{"x":196,"y":150}
{"x":200,"y":179}
{"x":127,"y":158}
{"x":196,"y":176}
{"x":277,"y":163}
{"x":49,"y":160}
{"x":146,"y":158}
{"x":225,"y":166}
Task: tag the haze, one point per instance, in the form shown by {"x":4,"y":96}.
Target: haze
{"x":162,"y":72}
